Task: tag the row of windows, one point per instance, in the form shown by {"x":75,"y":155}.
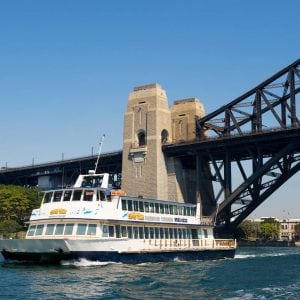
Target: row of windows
{"x":62,"y":229}
{"x":285,"y":226}
{"x":117,"y":231}
{"x":74,"y":195}
{"x":135,"y":232}
{"x":141,"y":136}
{"x":162,"y":208}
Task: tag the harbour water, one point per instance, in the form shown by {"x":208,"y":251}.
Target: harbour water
{"x":254,"y":273}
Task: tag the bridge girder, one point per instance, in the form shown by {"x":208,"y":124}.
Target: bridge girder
{"x":258,"y":135}
{"x":270,"y":104}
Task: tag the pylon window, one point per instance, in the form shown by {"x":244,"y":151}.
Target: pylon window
{"x":164,"y":136}
{"x":141,"y":139}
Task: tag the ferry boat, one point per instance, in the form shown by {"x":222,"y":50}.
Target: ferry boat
{"x":93,"y":221}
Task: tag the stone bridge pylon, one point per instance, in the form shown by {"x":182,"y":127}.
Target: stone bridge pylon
{"x":150,"y":123}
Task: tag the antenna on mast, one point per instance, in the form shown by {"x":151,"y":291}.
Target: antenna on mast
{"x":99,"y":151}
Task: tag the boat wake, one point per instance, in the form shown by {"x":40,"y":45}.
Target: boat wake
{"x":177,"y":259}
{"x":245,"y":256}
{"x":82,"y":262}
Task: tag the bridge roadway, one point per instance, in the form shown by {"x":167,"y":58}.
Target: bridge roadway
{"x":269,"y":142}
{"x":66,"y":171}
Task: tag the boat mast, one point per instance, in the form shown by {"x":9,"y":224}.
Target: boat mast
{"x":99,"y":152}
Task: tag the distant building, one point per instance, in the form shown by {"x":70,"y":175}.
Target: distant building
{"x":287,"y":228}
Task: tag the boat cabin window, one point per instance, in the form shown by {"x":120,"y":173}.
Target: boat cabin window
{"x":171,"y":209}
{"x":205,"y":233}
{"x":156,"y":231}
{"x":146,"y":204}
{"x":146,"y":232}
{"x":162,"y":233}
{"x":92,"y":181}
{"x":181,"y":210}
{"x":49,"y":229}
{"x":161,"y":209}
{"x":88,"y":195}
{"x":129,"y":205}
{"x":124,"y":206}
{"x":91,"y":229}
{"x":123,"y":231}
{"x":135,"y":232}
{"x":77,"y":195}
{"x":167,"y":211}
{"x":129,"y":232}
{"x":194,"y":234}
{"x":135,"y":206}
{"x":57,"y":196}
{"x":187,"y":211}
{"x":166,"y":233}
{"x":69,"y":229}
{"x":81,"y":229}
{"x":141,"y":206}
{"x":48,"y":197}
{"x":59,"y":229}
{"x":39,"y":229}
{"x":153,"y":207}
{"x":67,"y":195}
{"x":102,"y":196}
{"x":111,"y":231}
{"x":118,"y":231}
{"x":157,"y":208}
{"x":151,"y":231}
{"x":105,"y":231}
{"x":31,"y":230}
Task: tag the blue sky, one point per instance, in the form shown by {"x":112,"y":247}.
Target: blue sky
{"x":67,"y":67}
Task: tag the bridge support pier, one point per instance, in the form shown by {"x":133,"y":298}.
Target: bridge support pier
{"x":204,"y":187}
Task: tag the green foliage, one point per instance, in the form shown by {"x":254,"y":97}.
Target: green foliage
{"x":269,"y":229}
{"x":8,"y":227}
{"x":16,"y":203}
{"x":247,"y":230}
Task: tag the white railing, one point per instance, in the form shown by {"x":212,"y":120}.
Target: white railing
{"x":169,"y":244}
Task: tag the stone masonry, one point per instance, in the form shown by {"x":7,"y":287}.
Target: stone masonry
{"x":148,"y":123}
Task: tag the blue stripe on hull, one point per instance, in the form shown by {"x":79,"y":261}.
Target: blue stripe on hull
{"x":155,"y":257}
{"x":131,"y":258}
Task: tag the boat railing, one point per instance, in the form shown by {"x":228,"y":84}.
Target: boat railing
{"x":170,"y":244}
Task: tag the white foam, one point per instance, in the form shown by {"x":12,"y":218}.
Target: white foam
{"x":243,"y":256}
{"x":82,"y":262}
{"x":177,"y":259}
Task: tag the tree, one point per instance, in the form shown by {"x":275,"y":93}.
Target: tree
{"x":269,"y":229}
{"x":16,"y":203}
{"x":9,"y":227}
{"x":247,"y":230}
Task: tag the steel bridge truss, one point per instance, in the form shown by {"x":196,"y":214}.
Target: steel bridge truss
{"x":267,"y":117}
{"x":243,"y":185}
{"x":270,"y":104}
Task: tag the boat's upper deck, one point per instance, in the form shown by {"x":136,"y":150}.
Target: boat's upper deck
{"x":91,"y":198}
{"x":95,"y":203}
